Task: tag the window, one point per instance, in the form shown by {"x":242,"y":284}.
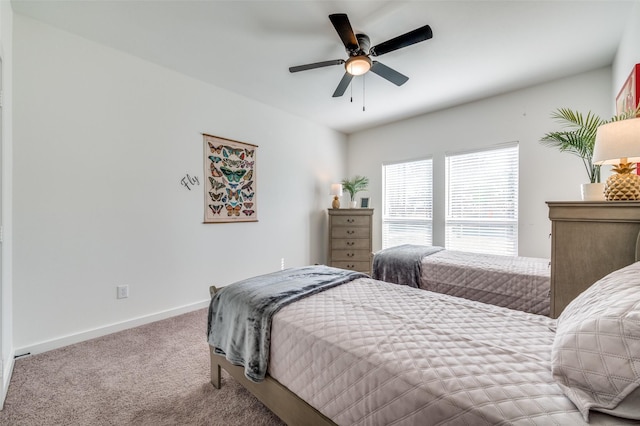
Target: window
{"x":408,"y":203}
{"x":482,"y":201}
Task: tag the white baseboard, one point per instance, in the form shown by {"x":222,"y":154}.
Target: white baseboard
{"x":108,"y":329}
{"x":7,"y":371}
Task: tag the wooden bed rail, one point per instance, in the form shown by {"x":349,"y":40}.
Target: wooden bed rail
{"x":288,"y":406}
{"x":291,"y":409}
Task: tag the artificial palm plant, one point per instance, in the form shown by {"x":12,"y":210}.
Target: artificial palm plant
{"x":580,"y":137}
{"x":355,"y":185}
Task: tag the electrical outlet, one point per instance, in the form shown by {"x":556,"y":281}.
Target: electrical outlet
{"x":123,"y":291}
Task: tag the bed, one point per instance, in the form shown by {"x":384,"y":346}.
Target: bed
{"x":515,"y":282}
{"x":367,"y":352}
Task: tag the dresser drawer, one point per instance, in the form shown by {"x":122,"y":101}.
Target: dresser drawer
{"x":350,"y":243}
{"x":350,"y":232}
{"x":355,"y":255}
{"x":353,"y":266}
{"x":352,"y":221}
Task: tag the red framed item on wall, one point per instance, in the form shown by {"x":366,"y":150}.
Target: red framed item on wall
{"x":629,"y":95}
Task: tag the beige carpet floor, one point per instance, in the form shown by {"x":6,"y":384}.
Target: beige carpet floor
{"x":156,"y":374}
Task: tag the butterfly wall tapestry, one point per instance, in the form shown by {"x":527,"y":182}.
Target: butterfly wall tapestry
{"x":230,"y":181}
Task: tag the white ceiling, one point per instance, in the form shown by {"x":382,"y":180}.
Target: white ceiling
{"x":479,"y":48}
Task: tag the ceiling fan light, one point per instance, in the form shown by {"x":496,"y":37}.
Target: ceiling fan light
{"x":358,"y":65}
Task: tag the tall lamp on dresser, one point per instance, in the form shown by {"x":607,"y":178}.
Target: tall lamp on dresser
{"x":588,"y":241}
{"x":350,"y":242}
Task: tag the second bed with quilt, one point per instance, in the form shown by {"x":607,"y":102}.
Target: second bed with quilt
{"x":521,"y":283}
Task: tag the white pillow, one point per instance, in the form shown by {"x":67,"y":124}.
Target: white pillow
{"x":596,"y":352}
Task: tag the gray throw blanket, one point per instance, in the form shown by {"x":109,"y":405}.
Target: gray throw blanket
{"x":240,"y":314}
{"x":401,"y":264}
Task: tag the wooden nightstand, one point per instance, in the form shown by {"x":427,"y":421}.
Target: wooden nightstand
{"x":588,"y":241}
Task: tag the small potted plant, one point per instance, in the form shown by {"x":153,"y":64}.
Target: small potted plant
{"x":579,"y":140}
{"x":355,"y":185}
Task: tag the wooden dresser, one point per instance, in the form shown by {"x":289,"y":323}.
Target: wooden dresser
{"x":350,"y":239}
{"x":588,"y":241}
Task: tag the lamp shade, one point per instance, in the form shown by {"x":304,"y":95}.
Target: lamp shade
{"x":336,"y":189}
{"x":617,"y":140}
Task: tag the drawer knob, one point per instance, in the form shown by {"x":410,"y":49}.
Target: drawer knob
{"x":350,"y":243}
{"x":350,"y":220}
{"x":350,"y":232}
{"x":350,"y":254}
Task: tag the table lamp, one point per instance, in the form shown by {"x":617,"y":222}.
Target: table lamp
{"x":336,"y":191}
{"x":618,"y":143}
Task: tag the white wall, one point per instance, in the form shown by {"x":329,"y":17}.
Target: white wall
{"x":102,"y":140}
{"x":6,"y":304}
{"x":523,"y":116}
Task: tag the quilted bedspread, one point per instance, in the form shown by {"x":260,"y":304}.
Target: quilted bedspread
{"x":375,"y":353}
{"x":240,"y":314}
{"x":521,"y":283}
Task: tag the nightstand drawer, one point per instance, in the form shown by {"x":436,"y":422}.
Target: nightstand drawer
{"x":355,"y":255}
{"x":349,"y":232}
{"x":352,"y":221}
{"x":353,"y":266}
{"x":350,"y":243}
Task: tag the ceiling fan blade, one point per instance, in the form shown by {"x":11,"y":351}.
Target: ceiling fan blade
{"x":404,"y":40}
{"x":316,"y":65}
{"x":342,"y":25}
{"x":342,"y":87}
{"x":389,"y":73}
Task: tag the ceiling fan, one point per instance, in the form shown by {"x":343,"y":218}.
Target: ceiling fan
{"x":359,"y":61}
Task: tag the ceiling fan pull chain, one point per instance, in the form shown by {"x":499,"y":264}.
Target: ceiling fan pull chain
{"x":351,"y":91}
{"x":364,"y":78}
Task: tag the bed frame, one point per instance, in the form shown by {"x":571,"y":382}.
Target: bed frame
{"x":285,"y":404}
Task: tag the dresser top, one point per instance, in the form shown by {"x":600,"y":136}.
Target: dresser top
{"x":624,"y":211}
{"x":351,"y":212}
{"x":594,"y":203}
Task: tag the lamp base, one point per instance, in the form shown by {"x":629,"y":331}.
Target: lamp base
{"x":622,"y":186}
{"x":336,"y":202}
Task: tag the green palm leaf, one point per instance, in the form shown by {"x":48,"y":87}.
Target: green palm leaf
{"x":580,"y":136}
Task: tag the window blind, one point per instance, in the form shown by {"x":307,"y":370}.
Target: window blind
{"x":482,"y":201}
{"x":407,"y":203}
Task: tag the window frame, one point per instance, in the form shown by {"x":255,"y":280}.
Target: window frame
{"x":505,"y":228}
{"x":411,"y":222}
